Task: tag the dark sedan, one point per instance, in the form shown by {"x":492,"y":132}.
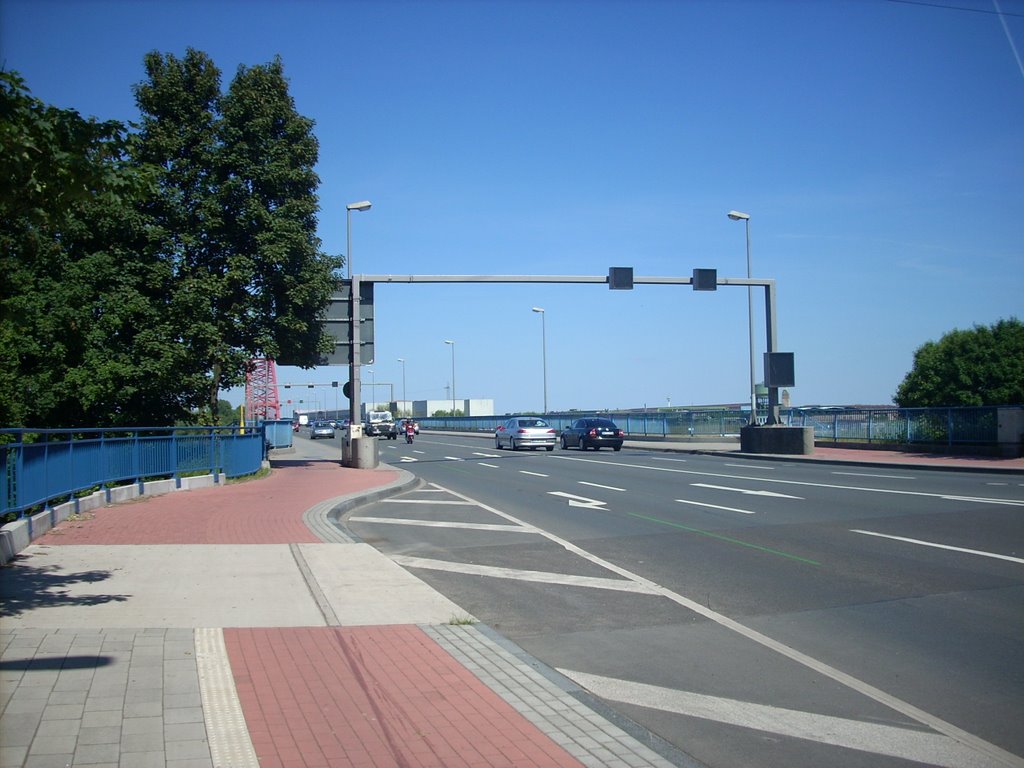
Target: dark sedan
{"x":592,"y":433}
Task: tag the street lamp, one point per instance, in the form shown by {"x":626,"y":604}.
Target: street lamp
{"x":355,"y":396}
{"x":544,"y":350}
{"x":449,"y":341}
{"x":360,"y":206}
{"x":404,"y":401}
{"x":373,"y":389}
{"x":745,"y":218}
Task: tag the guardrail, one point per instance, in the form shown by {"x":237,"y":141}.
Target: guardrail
{"x":946,"y":427}
{"x":39,"y":467}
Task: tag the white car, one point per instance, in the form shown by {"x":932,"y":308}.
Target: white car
{"x":525,"y":432}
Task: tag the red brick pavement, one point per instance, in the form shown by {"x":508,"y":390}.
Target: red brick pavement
{"x":374,"y":696}
{"x":264,"y":511}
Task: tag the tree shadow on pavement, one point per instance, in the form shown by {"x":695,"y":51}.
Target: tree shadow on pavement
{"x":24,"y":588}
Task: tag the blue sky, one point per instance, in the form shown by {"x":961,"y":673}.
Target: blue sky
{"x":878,"y":147}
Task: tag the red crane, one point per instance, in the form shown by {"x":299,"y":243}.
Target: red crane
{"x":261,"y":400}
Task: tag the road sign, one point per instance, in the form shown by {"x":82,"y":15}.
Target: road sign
{"x":338,"y":324}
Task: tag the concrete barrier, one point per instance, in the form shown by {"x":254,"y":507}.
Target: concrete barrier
{"x":797,"y":441}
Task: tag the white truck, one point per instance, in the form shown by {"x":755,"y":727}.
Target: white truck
{"x":381,"y":424}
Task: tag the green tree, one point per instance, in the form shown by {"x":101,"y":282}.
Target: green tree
{"x":236,"y":215}
{"x":81,"y":337}
{"x":983,"y":366}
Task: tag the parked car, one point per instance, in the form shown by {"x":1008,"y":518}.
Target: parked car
{"x":321,"y":429}
{"x":525,"y":432}
{"x":592,"y":433}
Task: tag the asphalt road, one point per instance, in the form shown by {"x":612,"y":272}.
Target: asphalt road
{"x":749,"y":612}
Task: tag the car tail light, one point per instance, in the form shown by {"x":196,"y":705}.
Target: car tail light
{"x":593,"y":432}
{"x":520,"y":431}
{"x":619,"y":433}
{"x":552,"y":431}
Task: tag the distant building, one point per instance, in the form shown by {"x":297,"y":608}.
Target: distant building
{"x":424,"y":408}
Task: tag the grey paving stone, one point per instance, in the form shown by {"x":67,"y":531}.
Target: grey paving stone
{"x":49,"y":761}
{"x":104,"y":703}
{"x":184,"y":715}
{"x":146,"y":741}
{"x":107,"y":734}
{"x":178,"y":700}
{"x":143,"y":760}
{"x":12,"y":757}
{"x":142,"y":725}
{"x":187,"y":750}
{"x":97,"y":753}
{"x":149,"y":709}
{"x":53,"y":728}
{"x":56,"y":745}
{"x":185,"y":732}
{"x":100,"y":717}
{"x":63,"y":712}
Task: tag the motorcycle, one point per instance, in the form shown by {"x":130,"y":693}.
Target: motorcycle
{"x":408,"y":433}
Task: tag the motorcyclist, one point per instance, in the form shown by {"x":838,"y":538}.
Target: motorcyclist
{"x":410,"y":430}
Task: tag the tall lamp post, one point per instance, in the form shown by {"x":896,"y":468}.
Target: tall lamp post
{"x":745,"y":218}
{"x":404,"y":401}
{"x":544,"y":351}
{"x":452,"y":343}
{"x":355,"y":414}
{"x":364,"y":205}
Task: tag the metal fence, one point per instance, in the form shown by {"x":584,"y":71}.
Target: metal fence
{"x":890,"y":426}
{"x":40,"y":467}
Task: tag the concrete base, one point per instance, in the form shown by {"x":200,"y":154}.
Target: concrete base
{"x":361,"y":453}
{"x":798,"y":441}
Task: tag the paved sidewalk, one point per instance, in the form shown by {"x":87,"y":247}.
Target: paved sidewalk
{"x":237,"y":626}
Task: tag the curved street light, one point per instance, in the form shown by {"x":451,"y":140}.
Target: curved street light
{"x":544,"y":351}
{"x":449,"y":341}
{"x":745,"y":218}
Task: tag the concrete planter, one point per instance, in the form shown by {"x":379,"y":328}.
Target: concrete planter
{"x":796,"y":441}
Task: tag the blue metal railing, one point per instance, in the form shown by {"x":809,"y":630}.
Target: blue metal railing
{"x":39,"y":466}
{"x":895,"y":426}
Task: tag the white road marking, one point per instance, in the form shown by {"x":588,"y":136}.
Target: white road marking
{"x":715,"y":506}
{"x":892,"y":741}
{"x":745,"y":491}
{"x":940,"y":546}
{"x":543,"y":577}
{"x":535,"y":474}
{"x":407,"y":459}
{"x":446,"y":524}
{"x":662,"y":458}
{"x":868,"y":474}
{"x":486,"y":455}
{"x":991,"y":751}
{"x":579,"y":501}
{"x":597,"y":485}
{"x":428,"y":501}
{"x":485,"y":464}
{"x":749,"y":466}
{"x":454,"y":458}
{"x":802,"y":483}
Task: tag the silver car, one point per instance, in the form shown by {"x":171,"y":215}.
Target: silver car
{"x":525,"y":432}
{"x":322,"y":429}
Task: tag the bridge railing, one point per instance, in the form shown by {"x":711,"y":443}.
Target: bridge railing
{"x":950,"y":427}
{"x":41,"y":466}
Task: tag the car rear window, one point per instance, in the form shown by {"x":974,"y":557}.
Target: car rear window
{"x":532,"y":423}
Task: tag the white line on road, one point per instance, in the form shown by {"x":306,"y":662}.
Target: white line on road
{"x":869,"y":474}
{"x":579,"y":501}
{"x":940,"y":546}
{"x":535,"y":474}
{"x":486,"y":455}
{"x":749,"y":466}
{"x":454,"y":458}
{"x":715,"y":506}
{"x":597,"y":485}
{"x":745,"y":491}
{"x":407,"y":459}
{"x":446,"y":524}
{"x":485,"y":464}
{"x":427,"y":501}
{"x":992,"y":751}
{"x":619,"y":585}
{"x":892,"y":741}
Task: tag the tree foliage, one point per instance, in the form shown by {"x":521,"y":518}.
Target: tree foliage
{"x":983,"y":366}
{"x":81,"y":336}
{"x":142,"y":271}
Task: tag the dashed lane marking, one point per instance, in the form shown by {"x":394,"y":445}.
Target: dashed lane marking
{"x":606,"y":487}
{"x":936,"y":545}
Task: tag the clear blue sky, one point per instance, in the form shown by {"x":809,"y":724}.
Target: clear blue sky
{"x":878,"y":147}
